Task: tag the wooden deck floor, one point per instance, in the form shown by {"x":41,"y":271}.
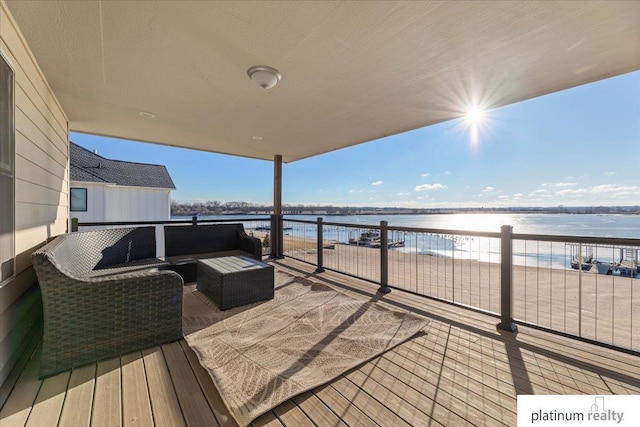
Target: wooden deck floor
{"x":462,"y":372}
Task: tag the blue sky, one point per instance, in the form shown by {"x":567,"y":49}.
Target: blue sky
{"x":576,"y":147}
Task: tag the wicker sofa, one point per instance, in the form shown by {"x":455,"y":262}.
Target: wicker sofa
{"x":185,"y":244}
{"x":105,"y":293}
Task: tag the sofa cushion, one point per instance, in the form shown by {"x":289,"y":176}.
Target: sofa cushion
{"x":78,"y":254}
{"x":130,"y":267}
{"x":200,"y":239}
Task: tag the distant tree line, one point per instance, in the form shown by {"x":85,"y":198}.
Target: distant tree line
{"x":215,"y":207}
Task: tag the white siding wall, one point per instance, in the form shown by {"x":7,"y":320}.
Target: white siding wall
{"x":108,"y":202}
{"x":137,"y":204}
{"x":96,"y":210}
{"x":42,"y":183}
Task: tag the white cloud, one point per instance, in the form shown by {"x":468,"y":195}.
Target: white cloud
{"x":401,"y":204}
{"x":377,"y":183}
{"x":488,"y":189}
{"x":428,"y":187}
{"x":565,"y":184}
{"x":571,"y":192}
{"x":610,"y":173}
{"x":604,"y":188}
{"x":603,"y":193}
{"x":616,"y":190}
{"x":426,"y":174}
{"x":517,"y":196}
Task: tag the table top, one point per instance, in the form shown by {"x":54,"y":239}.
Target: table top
{"x":233,"y":264}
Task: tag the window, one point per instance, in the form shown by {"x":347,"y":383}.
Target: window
{"x":7,"y":192}
{"x":78,"y":199}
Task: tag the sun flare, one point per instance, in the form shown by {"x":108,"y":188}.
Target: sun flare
{"x":476,"y":121}
{"x":475,"y":115}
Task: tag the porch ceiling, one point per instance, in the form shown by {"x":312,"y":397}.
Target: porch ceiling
{"x":352,"y":71}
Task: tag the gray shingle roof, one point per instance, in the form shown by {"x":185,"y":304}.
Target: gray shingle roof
{"x":87,"y":166}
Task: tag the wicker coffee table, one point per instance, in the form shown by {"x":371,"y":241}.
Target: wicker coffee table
{"x":235,"y":280}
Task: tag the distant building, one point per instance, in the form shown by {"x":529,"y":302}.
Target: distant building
{"x":104,"y":190}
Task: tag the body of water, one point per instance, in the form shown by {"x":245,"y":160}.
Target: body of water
{"x":533,"y":253}
{"x":624,"y":226}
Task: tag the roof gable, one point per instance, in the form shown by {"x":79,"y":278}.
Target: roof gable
{"x":90,"y":167}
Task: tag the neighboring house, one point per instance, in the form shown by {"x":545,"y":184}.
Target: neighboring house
{"x":115,"y":190}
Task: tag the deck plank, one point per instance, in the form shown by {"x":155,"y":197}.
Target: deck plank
{"x":268,"y":419}
{"x":460,"y":371}
{"x":291,"y":415}
{"x":76,"y":410}
{"x":194,"y":405}
{"x":343,"y":408}
{"x":449,"y":400}
{"x":316,"y":410}
{"x":136,"y":406}
{"x":218,"y":407}
{"x":46,"y":410}
{"x":482,"y":383}
{"x":412,"y":406}
{"x":107,"y":400}
{"x":164,"y":402}
{"x":367,"y":403}
{"x":17,"y":408}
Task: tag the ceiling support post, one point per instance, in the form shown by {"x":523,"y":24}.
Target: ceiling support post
{"x":277,"y":235}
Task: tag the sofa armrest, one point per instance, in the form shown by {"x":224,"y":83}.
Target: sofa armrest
{"x":86,"y":320}
{"x":250,"y":244}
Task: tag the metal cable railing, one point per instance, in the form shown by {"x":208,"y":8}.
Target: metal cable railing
{"x":538,"y":280}
{"x":583,"y":287}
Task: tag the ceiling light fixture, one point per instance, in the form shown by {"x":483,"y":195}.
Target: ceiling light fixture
{"x":147,"y":115}
{"x":265,"y":77}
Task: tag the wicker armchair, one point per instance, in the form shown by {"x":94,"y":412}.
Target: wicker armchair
{"x":104,"y":294}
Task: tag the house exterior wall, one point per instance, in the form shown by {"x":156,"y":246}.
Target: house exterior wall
{"x":41,"y":193}
{"x":137,"y":204}
{"x":95,"y":202}
{"x":109,"y":202}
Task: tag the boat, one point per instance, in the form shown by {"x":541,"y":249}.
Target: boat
{"x":584,"y":263}
{"x":627,"y":266}
{"x":371,"y":239}
{"x":268,"y":228}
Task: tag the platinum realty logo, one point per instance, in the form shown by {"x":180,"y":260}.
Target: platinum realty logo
{"x":561,"y":410}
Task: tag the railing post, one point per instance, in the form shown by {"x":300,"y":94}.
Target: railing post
{"x":319,"y":239}
{"x":384,"y":259}
{"x":281,"y":236}
{"x":74,"y":224}
{"x":506,"y":280}
{"x":277,"y":236}
{"x":273,"y":237}
{"x":194,"y":220}
{"x":580,"y":289}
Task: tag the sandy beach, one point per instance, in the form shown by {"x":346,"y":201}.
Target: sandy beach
{"x":594,"y":306}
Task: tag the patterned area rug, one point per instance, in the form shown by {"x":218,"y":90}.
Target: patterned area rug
{"x":263,"y":354}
